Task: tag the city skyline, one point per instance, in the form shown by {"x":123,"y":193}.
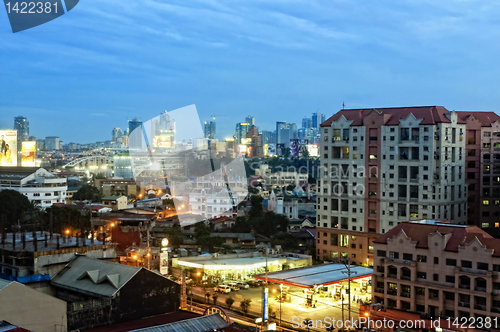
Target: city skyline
{"x":96,"y":70}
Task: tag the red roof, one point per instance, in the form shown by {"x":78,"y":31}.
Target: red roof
{"x":486,"y":118}
{"x":460,"y":235}
{"x":430,"y":115}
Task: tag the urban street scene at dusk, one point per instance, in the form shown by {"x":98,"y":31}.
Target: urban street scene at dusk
{"x":249,"y":166}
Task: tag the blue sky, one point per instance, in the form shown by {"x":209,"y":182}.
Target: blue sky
{"x":85,"y":73}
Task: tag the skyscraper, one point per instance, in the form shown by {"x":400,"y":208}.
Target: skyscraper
{"x":135,"y":138}
{"x":116,"y":134}
{"x":241,"y":132}
{"x":210,"y":130}
{"x":22,"y":126}
{"x":307,"y":123}
{"x":285,"y":132}
{"x":317,"y":119}
{"x":250,"y":120}
{"x":255,"y":150}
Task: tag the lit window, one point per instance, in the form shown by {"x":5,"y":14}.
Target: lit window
{"x":373,"y":156}
{"x":497,"y":224}
{"x":344,"y":240}
{"x":485,"y":225}
{"x":486,"y":202}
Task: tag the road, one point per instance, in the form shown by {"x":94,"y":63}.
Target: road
{"x":293,"y":312}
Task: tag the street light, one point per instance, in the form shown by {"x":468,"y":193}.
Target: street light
{"x":281,"y":299}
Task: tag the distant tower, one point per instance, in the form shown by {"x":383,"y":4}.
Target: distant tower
{"x":317,"y":119}
{"x":22,"y":126}
{"x":250,"y":120}
{"x":307,"y":123}
{"x":210,"y":130}
{"x":135,"y":138}
{"x":116,"y":134}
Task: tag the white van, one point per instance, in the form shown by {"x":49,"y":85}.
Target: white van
{"x":223,"y":289}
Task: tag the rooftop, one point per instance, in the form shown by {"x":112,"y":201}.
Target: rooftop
{"x":430,"y":115}
{"x":309,"y":277}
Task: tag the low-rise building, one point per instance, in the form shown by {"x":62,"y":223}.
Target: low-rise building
{"x":437,"y":269}
{"x":37,"y":184}
{"x":115,"y":202}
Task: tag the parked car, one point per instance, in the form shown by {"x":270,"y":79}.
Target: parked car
{"x":233,"y":286}
{"x":255,"y":283}
{"x":243,"y":285}
{"x":222,"y":289}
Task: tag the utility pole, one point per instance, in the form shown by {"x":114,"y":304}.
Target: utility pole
{"x":347,"y":263}
{"x":148,"y":249}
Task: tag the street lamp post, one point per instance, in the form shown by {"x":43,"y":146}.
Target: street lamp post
{"x":347,"y":264}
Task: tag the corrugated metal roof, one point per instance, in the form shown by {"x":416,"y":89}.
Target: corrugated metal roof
{"x":199,"y":324}
{"x":94,"y":276}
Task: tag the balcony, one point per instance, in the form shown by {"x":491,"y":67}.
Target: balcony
{"x":405,"y":277}
{"x":404,"y":294}
{"x":392,"y":292}
{"x":480,"y":289}
{"x":389,"y":275}
{"x":480,"y":307}
{"x":462,"y":286}
{"x":379,"y":290}
{"x":472,"y":271}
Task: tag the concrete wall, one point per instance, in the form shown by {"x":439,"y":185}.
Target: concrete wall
{"x":32,"y":310}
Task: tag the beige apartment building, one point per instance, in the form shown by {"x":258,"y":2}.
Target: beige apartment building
{"x":437,"y":269}
{"x":384,"y":166}
{"x":482,"y":169}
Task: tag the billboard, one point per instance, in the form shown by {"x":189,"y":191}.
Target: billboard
{"x":162,"y":141}
{"x":294,"y":147}
{"x":28,"y":153}
{"x":280,"y":149}
{"x":8,"y":148}
{"x":313,"y":150}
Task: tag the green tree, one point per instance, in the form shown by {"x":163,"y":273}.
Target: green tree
{"x":229,"y":302}
{"x":245,"y":306}
{"x":256,"y":209}
{"x":241,"y":225}
{"x":174,"y":235}
{"x":215,"y":296}
{"x":287,"y":241}
{"x":89,"y":193}
{"x":14,"y":206}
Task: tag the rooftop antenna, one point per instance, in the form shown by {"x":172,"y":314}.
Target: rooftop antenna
{"x":343,"y":105}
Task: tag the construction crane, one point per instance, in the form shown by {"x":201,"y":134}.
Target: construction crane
{"x":213,"y":116}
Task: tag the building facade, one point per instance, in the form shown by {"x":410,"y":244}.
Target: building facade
{"x":210,"y":130}
{"x":384,"y":166}
{"x":482,"y":169}
{"x":438,"y":270}
{"x":37,"y":184}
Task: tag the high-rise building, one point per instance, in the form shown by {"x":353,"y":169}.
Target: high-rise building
{"x":22,"y":126}
{"x":52,"y":143}
{"x":307,"y":123}
{"x":384,"y":166}
{"x":210,"y":130}
{"x":163,"y":131}
{"x":241,"y":132}
{"x":135,"y":138}
{"x":285,"y":132}
{"x":255,"y":143}
{"x":482,"y":168}
{"x":250,"y":120}
{"x":116,"y":134}
{"x":268,"y":137}
{"x":317,"y":119}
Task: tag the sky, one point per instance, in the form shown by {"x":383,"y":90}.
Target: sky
{"x":108,"y":61}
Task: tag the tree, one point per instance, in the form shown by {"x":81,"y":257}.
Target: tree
{"x":215,"y":296}
{"x":241,"y":226}
{"x":287,"y":241}
{"x":89,"y":193}
{"x":245,"y":305}
{"x":229,"y":302}
{"x":256,"y":210}
{"x":14,"y":205}
{"x":207,"y":296}
{"x":174,"y":235}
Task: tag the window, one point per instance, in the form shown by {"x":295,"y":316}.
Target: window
{"x":451,"y":262}
{"x":450,"y":279}
{"x":467,"y":264}
{"x":344,"y":240}
{"x":334,"y":239}
{"x":407,"y":257}
{"x":435,"y":277}
{"x":421,"y":258}
{"x":421,"y":275}
{"x":436,"y":260}
{"x":381,"y":253}
{"x":394,"y":255}
{"x":482,"y":266}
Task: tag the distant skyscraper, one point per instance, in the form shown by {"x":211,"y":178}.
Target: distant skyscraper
{"x":163,"y":131}
{"x":250,"y":120}
{"x":241,"y":132}
{"x":22,"y":126}
{"x":135,"y":139}
{"x":307,"y":123}
{"x":268,"y":137}
{"x":52,"y":143}
{"x":285,"y":132}
{"x":116,"y":134}
{"x":210,"y":130}
{"x":317,"y":119}
{"x":255,"y":145}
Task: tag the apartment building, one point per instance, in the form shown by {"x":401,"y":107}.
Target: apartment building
{"x":385,"y":166}
{"x":482,"y":169}
{"x":37,"y":184}
{"x":438,"y":269}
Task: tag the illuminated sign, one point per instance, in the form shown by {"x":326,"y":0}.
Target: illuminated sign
{"x":164,"y":262}
{"x":8,"y":148}
{"x":28,"y":151}
{"x":266,"y":304}
{"x":226,"y":267}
